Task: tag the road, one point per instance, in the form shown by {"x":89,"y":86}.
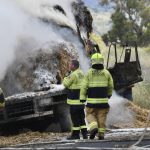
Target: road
{"x":86,"y":144}
{"x":114,"y":139}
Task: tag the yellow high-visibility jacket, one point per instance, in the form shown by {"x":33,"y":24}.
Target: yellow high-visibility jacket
{"x":96,"y":87}
{"x":73,"y":84}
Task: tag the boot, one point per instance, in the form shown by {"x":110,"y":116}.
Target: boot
{"x":93,"y":133}
{"x":74,"y":135}
{"x":84,"y":133}
{"x":101,"y":136}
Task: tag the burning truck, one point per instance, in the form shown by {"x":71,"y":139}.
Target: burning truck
{"x":32,"y":82}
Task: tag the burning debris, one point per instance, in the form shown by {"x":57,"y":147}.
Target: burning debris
{"x":40,"y":71}
{"x":37,"y":66}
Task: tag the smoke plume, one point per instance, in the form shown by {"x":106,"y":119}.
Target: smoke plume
{"x":21,"y":24}
{"x":119,"y":113}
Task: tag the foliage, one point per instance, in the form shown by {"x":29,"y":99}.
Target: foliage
{"x":131,"y":21}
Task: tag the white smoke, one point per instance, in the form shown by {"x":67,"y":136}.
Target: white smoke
{"x":9,"y":31}
{"x":20,"y":22}
{"x":119,"y":113}
{"x":44,"y":8}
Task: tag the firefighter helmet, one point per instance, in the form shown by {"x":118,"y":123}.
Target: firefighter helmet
{"x":97,"y":58}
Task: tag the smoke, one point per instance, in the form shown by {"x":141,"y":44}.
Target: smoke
{"x":74,"y":40}
{"x":44,"y":9}
{"x":21,"y":29}
{"x":8,"y":34}
{"x":119,"y":113}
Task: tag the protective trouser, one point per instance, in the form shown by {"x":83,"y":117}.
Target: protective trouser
{"x":96,"y":118}
{"x":78,"y":120}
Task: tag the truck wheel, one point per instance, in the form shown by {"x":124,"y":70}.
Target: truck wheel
{"x":62,"y":115}
{"x":53,"y":127}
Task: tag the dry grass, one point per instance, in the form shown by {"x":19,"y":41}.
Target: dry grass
{"x":141,"y":91}
{"x":140,"y":117}
{"x":141,"y":94}
{"x":140,"y":114}
{"x":30,"y":137}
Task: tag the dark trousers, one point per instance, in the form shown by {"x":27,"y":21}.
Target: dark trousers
{"x":78,"y":117}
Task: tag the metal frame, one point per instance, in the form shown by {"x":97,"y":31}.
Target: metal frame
{"x":114,"y":44}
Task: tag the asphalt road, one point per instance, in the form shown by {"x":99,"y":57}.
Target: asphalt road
{"x":86,"y":144}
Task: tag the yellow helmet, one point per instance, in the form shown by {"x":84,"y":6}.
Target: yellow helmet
{"x":97,"y":58}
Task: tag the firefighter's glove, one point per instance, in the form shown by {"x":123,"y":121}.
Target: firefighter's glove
{"x":82,"y":101}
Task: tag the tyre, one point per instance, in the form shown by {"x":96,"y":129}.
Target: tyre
{"x":62,"y":116}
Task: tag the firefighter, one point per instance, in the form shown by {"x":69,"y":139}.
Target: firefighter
{"x":2,"y":100}
{"x":96,"y":89}
{"x":73,"y":84}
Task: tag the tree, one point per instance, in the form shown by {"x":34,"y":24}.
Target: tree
{"x":130,"y":20}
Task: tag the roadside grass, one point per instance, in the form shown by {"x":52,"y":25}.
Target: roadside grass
{"x":141,"y":95}
{"x":141,"y":91}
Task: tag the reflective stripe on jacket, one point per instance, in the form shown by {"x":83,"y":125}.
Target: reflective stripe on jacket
{"x":73,"y":84}
{"x":96,"y":87}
